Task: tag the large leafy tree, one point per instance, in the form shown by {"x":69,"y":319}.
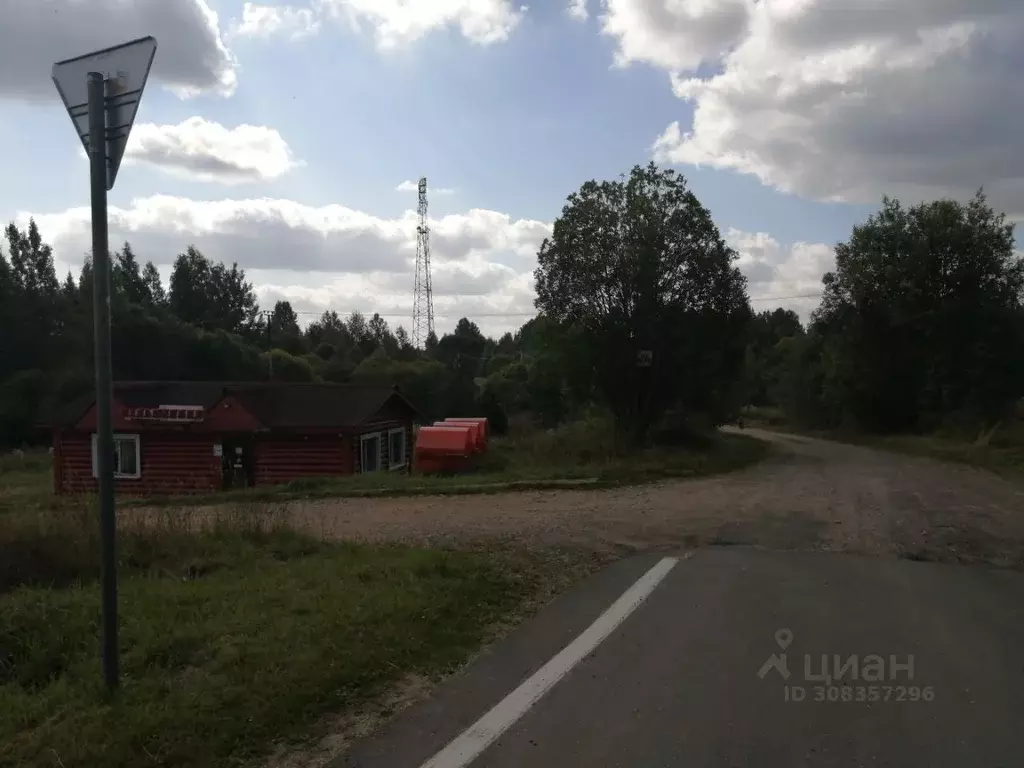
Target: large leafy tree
{"x":284,"y":329}
{"x":212,"y":295}
{"x":127,"y":276}
{"x":233,"y":300}
{"x":923,"y":315}
{"x":462,"y":349}
{"x":189,"y":290}
{"x":9,"y":342}
{"x":382,"y":336}
{"x":768,"y":355}
{"x":154,"y":287}
{"x":284,"y":318}
{"x":638,"y":265}
{"x":33,"y":297}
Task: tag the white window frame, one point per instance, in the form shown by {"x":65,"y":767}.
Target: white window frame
{"x":405,"y":450}
{"x":134,"y":439}
{"x":379,"y":436}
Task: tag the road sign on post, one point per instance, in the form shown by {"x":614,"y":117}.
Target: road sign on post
{"x":125,"y":69}
{"x":101,"y":91}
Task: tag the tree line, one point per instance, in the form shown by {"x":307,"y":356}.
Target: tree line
{"x":920,"y":327}
{"x":642,"y":314}
{"x":207,"y":324}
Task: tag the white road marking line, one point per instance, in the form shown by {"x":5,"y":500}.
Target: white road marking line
{"x":470,"y":743}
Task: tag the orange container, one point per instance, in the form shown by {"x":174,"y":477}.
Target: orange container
{"x":444,"y":449}
{"x":479,"y":441}
{"x":448,"y":440}
{"x":429,"y":463}
{"x":476,"y":420}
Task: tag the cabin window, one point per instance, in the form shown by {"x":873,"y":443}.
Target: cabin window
{"x":396,"y":448}
{"x":127,"y":459}
{"x":369,"y":450}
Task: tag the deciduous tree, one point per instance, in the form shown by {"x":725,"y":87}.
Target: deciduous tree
{"x":638,"y":265}
{"x":924,"y":317}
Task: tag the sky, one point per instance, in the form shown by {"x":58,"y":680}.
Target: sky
{"x":288,"y":137}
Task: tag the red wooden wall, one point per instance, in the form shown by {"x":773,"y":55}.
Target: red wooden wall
{"x":170,"y":464}
{"x":183,"y":462}
{"x":281,"y":459}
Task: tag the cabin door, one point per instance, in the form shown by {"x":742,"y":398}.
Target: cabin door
{"x":237,"y":466}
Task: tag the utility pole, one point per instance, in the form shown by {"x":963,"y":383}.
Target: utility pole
{"x":269,"y":315}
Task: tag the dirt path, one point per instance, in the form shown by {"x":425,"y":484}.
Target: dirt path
{"x":812,"y":494}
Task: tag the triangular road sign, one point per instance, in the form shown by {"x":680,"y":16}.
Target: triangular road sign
{"x":125,"y":68}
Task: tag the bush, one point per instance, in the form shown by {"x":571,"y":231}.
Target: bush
{"x":684,"y":430}
{"x":20,"y":398}
{"x":772,"y":417}
{"x":287,"y":367}
{"x":490,"y":408}
{"x":586,"y":441}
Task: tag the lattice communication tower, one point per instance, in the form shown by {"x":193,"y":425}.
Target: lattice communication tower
{"x":423,"y":293}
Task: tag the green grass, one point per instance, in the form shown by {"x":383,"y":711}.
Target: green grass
{"x":1004,"y":455}
{"x":580,"y":454}
{"x":24,"y":477}
{"x":1003,"y":459}
{"x":235,"y":641}
{"x":222,"y":663}
{"x":249,"y":635}
{"x":577,"y":455}
{"x":511,"y":466}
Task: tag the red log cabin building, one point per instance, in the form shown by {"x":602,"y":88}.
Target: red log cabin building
{"x":195,"y":437}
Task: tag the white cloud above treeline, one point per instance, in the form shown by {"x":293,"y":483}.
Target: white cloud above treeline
{"x":334,"y":257}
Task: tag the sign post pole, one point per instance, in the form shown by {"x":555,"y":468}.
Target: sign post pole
{"x":101,"y":91}
{"x":104,"y":385}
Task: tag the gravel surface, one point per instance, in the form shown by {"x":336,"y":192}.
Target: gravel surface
{"x":811,"y":494}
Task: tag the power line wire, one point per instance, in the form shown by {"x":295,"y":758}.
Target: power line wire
{"x":789,"y":298}
{"x":531,"y":314}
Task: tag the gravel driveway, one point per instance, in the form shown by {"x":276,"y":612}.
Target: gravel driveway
{"x":811,"y":494}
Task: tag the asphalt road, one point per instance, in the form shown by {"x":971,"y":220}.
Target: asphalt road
{"x":677,"y":682}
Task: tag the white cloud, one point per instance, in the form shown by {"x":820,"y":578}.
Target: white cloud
{"x":838,"y":100}
{"x":192,"y":57}
{"x":329,"y":256}
{"x":781,"y":276}
{"x":412,"y":186}
{"x":474,"y":277}
{"x":497,"y":312}
{"x":578,"y":10}
{"x":399,"y":22}
{"x":264,"y":21}
{"x":496,"y":298}
{"x":673,"y":34}
{"x":206,"y":151}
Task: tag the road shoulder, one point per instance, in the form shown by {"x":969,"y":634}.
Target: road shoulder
{"x":415,"y":735}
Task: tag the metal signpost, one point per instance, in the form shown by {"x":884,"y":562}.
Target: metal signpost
{"x":101,"y":92}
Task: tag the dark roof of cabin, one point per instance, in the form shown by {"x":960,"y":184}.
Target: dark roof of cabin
{"x":315,"y":405}
{"x":275,"y":404}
